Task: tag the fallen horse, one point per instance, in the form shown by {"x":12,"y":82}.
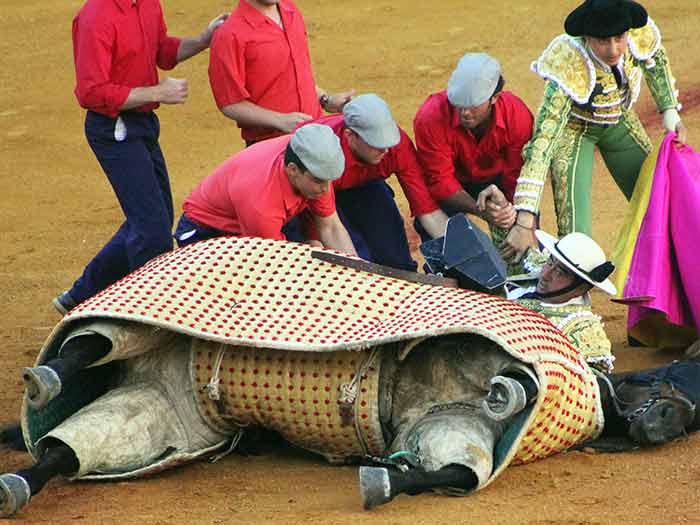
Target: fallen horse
{"x":431,"y":388}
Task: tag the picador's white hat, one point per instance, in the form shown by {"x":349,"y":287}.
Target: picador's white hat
{"x":582,"y":255}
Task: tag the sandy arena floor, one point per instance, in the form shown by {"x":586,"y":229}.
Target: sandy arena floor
{"x":58,"y":209}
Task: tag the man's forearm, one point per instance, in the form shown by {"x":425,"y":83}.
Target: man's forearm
{"x":168,"y":91}
{"x":434,"y":223}
{"x":189,"y":47}
{"x":140,"y":96}
{"x":526,"y":219}
{"x":461,"y":201}
{"x":336,"y":237}
{"x":247,"y":114}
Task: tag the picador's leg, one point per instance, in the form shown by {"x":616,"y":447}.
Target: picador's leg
{"x":16,"y":489}
{"x":43,"y":383}
{"x":379,"y":485}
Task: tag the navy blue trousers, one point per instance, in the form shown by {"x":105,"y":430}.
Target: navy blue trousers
{"x":189,"y":232}
{"x":136,"y":169}
{"x":375,"y":225}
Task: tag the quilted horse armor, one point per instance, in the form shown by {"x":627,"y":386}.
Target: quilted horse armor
{"x":285,"y":340}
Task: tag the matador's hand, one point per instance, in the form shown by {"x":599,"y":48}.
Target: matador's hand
{"x":681,"y":134}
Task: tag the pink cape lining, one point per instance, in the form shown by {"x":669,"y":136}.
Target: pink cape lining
{"x":666,"y":260}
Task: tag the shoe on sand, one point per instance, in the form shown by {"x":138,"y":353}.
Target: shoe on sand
{"x":64,"y":303}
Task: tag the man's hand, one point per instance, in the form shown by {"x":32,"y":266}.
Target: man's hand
{"x":492,"y":193}
{"x":520,"y":237}
{"x":171,"y":91}
{"x":495,"y":208}
{"x":336,"y":102}
{"x":288,"y":122}
{"x":501,"y":217}
{"x":681,"y":134}
{"x":205,"y":37}
{"x":672,"y":123}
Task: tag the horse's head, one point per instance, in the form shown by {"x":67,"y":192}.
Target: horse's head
{"x":656,"y":412}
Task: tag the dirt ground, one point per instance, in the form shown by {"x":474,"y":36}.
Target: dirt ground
{"x":58,"y":209}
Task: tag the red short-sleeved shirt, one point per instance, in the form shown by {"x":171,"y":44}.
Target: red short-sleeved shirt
{"x":250,"y":194}
{"x":116,"y":47}
{"x":452,"y":157}
{"x":400,"y":160}
{"x":252,"y":58}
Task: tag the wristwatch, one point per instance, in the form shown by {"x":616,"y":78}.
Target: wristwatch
{"x":324,"y":100}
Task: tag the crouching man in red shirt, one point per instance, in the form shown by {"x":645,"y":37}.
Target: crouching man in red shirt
{"x":376,"y":148}
{"x":469,"y":137}
{"x":257,"y":191}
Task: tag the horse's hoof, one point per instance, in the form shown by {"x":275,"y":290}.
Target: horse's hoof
{"x":375,"y":486}
{"x":14,"y":494}
{"x":506,"y":398}
{"x":42,"y":384}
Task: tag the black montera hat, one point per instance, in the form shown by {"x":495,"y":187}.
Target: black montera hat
{"x":605,"y":18}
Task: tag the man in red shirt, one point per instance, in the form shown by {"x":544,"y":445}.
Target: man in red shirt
{"x":471,"y":136}
{"x":117,"y":45}
{"x":257,"y":191}
{"x":376,"y":148}
{"x":260,"y":70}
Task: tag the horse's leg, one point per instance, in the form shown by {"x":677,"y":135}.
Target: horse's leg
{"x":11,"y":436}
{"x":17,"y":489}
{"x":43,"y":383}
{"x":379,"y":485}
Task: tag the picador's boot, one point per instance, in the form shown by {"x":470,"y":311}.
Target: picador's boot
{"x":14,"y":494}
{"x":43,"y":383}
{"x":379,"y":485}
{"x":509,"y":395}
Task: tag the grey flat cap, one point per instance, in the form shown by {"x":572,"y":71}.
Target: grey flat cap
{"x":474,"y":80}
{"x":319,"y":149}
{"x":369,"y":116}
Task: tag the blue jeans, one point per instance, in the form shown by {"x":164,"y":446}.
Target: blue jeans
{"x":136,"y":169}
